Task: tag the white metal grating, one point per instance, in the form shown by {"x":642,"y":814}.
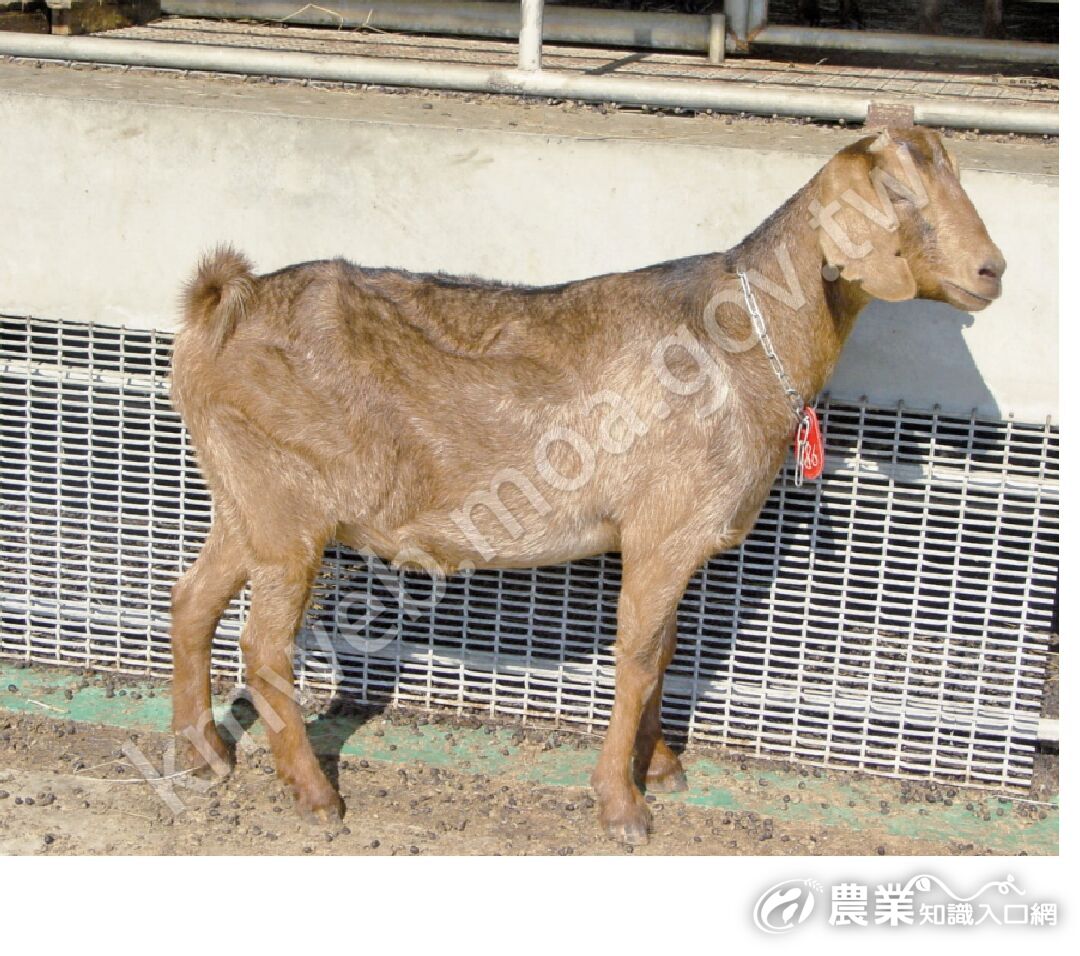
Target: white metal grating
{"x":892,"y":616}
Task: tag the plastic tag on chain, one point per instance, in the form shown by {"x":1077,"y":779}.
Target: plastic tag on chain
{"x":809,"y":452}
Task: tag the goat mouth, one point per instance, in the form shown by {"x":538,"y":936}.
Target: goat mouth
{"x":966,"y":293}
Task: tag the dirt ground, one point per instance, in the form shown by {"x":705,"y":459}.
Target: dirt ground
{"x":441,"y":785}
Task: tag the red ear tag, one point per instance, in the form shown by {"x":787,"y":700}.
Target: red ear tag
{"x":809,"y":452}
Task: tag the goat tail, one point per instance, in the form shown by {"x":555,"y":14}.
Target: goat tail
{"x":220,"y":294}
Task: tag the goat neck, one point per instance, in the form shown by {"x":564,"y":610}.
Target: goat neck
{"x":808,"y":317}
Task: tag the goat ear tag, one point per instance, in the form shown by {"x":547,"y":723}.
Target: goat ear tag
{"x":808,"y":445}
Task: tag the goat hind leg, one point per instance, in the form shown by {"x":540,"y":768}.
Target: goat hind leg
{"x":199,"y":598}
{"x":656,"y":766}
{"x":279,"y":595}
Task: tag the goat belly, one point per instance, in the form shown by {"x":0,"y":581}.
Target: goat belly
{"x":438,"y":542}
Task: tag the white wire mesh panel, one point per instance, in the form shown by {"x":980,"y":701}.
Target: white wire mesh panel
{"x":892,"y":616}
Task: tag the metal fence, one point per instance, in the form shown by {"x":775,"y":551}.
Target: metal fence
{"x":529,"y":78}
{"x":892,"y":616}
{"x":743,"y":24}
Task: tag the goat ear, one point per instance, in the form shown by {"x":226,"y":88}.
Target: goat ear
{"x":884,"y":139}
{"x":862,"y":250}
{"x":884,"y":275}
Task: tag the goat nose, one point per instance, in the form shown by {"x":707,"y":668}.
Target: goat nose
{"x":993,"y":266}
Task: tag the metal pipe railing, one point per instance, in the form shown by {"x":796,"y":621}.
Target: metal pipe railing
{"x":641,"y":91}
{"x":908,"y":44}
{"x":686,"y":33}
{"x":532,"y":32}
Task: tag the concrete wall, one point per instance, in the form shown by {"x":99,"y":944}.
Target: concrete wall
{"x":111,"y":184}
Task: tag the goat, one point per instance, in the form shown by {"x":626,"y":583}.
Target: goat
{"x":929,"y":20}
{"x":993,"y":18}
{"x":848,"y":13}
{"x":452,"y":423}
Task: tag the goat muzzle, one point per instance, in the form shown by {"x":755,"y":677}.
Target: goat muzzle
{"x":982,"y":284}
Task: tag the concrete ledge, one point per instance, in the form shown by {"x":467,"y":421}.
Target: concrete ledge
{"x":140,"y":172}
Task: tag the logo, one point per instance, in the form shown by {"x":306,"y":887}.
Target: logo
{"x":921,"y":900}
{"x":783,"y":907}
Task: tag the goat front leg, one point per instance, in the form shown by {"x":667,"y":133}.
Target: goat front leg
{"x":929,"y":20}
{"x":994,"y":19}
{"x":656,"y":767}
{"x":279,"y":595}
{"x":651,"y":589}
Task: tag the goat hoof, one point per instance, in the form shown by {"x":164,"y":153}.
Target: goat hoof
{"x":324,"y":810}
{"x":210,"y":760}
{"x":671,"y":780}
{"x":631,"y":832}
{"x":665,"y":772}
{"x":629,"y":825}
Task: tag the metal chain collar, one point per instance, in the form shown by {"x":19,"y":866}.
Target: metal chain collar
{"x":798,"y":407}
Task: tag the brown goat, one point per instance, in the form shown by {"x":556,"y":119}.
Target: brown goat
{"x":993,"y":18}
{"x":453,"y":423}
{"x":929,"y":21}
